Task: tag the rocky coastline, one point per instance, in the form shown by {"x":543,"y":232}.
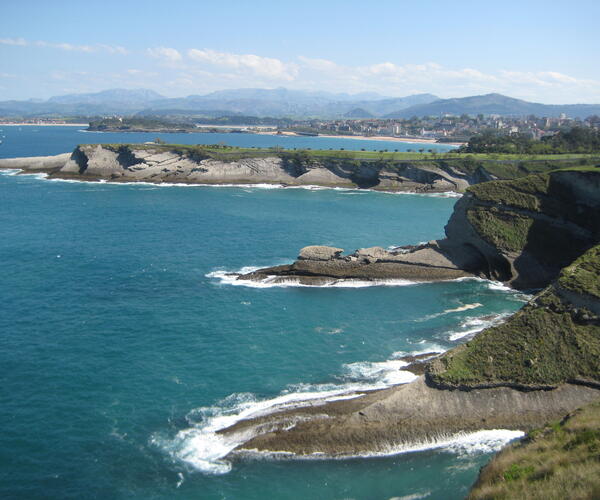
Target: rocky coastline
{"x":158,"y":164}
{"x":528,"y":233}
{"x":539,"y":365}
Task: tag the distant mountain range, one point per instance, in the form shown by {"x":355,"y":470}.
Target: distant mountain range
{"x":282,"y":102}
{"x":495,"y":104}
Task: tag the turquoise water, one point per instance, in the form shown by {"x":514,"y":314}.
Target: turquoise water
{"x":54,"y":140}
{"x":115,"y":344}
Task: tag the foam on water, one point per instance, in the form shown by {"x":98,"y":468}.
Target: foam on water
{"x":231,"y":278}
{"x":261,"y":185}
{"x":471,"y":326}
{"x":206,"y":450}
{"x":462,"y":443}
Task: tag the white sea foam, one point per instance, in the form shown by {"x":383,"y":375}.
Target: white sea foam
{"x":205,"y":449}
{"x":10,"y":171}
{"x":462,"y":443}
{"x":262,"y":185}
{"x":231,"y":278}
{"x":381,"y":374}
{"x":430,"y":348}
{"x":471,"y":326}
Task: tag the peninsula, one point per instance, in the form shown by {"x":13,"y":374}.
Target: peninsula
{"x":216,"y":164}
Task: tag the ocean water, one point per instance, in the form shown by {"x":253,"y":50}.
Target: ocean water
{"x":55,"y":140}
{"x":123,"y":346}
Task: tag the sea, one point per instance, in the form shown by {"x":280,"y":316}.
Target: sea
{"x":124,"y":345}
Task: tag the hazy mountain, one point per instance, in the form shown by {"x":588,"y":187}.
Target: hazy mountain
{"x":106,"y":102}
{"x":495,"y":104}
{"x":358,"y":113}
{"x":132,"y":98}
{"x":282,"y":102}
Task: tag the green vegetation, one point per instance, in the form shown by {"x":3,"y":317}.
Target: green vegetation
{"x":575,"y":140}
{"x":559,"y":461}
{"x":548,"y":342}
{"x":583,"y":275}
{"x":504,"y":229}
{"x":526,"y":193}
{"x":505,"y":166}
{"x":139,"y":124}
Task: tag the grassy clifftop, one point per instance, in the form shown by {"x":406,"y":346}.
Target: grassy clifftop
{"x":501,"y":166}
{"x":559,"y":461}
{"x":549,"y":342}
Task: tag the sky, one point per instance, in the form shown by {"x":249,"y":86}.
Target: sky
{"x":543,"y":51}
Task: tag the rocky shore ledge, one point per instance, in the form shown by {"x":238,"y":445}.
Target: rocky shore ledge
{"x":322,"y":265}
{"x":542,"y":363}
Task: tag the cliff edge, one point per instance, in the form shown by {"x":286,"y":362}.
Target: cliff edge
{"x":521,"y":231}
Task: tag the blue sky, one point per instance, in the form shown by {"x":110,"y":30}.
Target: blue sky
{"x":541,"y":51}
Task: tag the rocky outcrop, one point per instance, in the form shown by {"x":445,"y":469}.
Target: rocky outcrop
{"x":402,"y":416}
{"x":522,"y":232}
{"x":543,"y":363}
{"x":155,"y":163}
{"x":37,"y":163}
{"x":525,"y":231}
{"x":319,"y":265}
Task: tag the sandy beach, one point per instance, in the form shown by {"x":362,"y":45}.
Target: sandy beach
{"x":415,"y":140}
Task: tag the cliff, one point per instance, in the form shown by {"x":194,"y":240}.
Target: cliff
{"x":525,"y":231}
{"x":521,"y":231}
{"x":206,"y":165}
{"x":219,"y":164}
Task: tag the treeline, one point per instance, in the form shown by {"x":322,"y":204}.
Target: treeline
{"x":575,"y":140}
{"x":125,"y":124}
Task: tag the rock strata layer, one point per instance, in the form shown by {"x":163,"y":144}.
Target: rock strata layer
{"x":321,"y":265}
{"x":403,"y":416}
{"x":148,"y":163}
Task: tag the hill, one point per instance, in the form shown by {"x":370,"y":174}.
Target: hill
{"x":495,"y":104}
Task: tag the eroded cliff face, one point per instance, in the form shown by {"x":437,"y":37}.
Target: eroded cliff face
{"x":161,"y":164}
{"x":526,"y":230}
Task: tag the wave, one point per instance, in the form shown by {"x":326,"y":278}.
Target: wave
{"x":10,"y":171}
{"x":202,"y":447}
{"x":263,"y":185}
{"x":471,"y":326}
{"x":462,"y":443}
{"x":231,"y":278}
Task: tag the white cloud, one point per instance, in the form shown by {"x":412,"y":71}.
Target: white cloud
{"x":262,"y":66}
{"x":13,"y":41}
{"x":318,"y":64}
{"x":165,"y":53}
{"x":100,"y":47}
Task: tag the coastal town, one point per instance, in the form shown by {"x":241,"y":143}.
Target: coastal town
{"x":447,"y":128}
{"x":443,"y":129}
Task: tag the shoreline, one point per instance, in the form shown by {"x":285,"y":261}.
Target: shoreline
{"x":406,"y":140}
{"x":409,"y":140}
{"x":48,"y":175}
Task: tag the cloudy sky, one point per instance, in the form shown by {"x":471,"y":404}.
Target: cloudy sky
{"x":540,"y":51}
